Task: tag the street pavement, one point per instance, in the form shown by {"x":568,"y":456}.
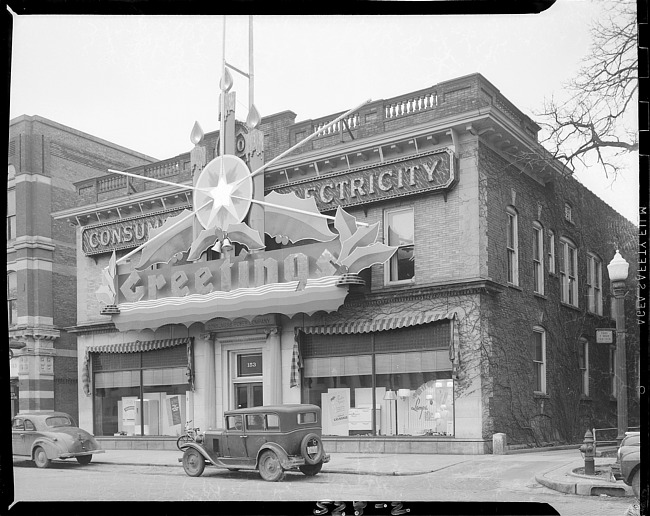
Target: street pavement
{"x":560,"y":477}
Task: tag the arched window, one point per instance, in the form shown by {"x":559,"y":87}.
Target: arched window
{"x":538,"y":258}
{"x":594,"y":284}
{"x":569,"y":271}
{"x":583,"y":351}
{"x":12,"y":295}
{"x":538,"y":352}
{"x":512,"y":245}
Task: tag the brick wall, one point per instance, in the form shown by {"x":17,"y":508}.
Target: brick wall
{"x":562,"y":414}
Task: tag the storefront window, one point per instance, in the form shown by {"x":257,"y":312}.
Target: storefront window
{"x":414,"y":390}
{"x":133,"y":398}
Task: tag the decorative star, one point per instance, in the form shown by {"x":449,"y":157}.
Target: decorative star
{"x":222,"y":200}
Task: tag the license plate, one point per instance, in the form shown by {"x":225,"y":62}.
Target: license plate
{"x":312,"y":449}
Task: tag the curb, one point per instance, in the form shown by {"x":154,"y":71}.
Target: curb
{"x":338,"y":471}
{"x":584,"y":488}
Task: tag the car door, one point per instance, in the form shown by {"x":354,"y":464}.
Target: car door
{"x":235,"y":437}
{"x":255,"y":432}
{"x":18,"y":436}
{"x":30,"y":435}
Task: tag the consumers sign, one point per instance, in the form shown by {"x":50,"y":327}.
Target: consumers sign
{"x":122,"y":234}
{"x":423,"y":173}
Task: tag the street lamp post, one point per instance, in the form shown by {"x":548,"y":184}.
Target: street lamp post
{"x":618,"y":269}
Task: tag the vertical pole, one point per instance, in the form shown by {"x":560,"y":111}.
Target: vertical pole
{"x":251,"y":82}
{"x":618,"y":288}
{"x":141,"y":397}
{"x":373,"y":385}
{"x":222,"y":94}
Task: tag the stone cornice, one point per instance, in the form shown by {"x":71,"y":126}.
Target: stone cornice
{"x":34,"y":332}
{"x":95,"y":327}
{"x":407,"y":294}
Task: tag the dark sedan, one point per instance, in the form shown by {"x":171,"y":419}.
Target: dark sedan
{"x":43,"y":436}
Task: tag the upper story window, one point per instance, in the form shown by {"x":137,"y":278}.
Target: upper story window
{"x":568,"y":215}
{"x":583,"y":364}
{"x":11,"y":214}
{"x":399,"y":229}
{"x":569,"y":272}
{"x":551,"y":252}
{"x":594,"y":284}
{"x":538,"y":349}
{"x":538,"y":258}
{"x":512,"y":245}
{"x":12,"y":297}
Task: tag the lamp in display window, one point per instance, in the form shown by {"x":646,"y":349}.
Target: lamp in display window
{"x":390,"y":396}
{"x":404,"y":394}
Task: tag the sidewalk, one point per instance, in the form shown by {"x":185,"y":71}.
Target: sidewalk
{"x":560,"y":478}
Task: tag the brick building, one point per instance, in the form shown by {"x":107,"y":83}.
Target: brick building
{"x":45,"y":159}
{"x":482,"y":320}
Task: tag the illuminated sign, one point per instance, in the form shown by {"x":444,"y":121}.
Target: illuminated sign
{"x":424,"y":173}
{"x":122,"y":234}
{"x":243,"y":271}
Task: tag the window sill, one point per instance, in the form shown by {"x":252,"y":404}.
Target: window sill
{"x":586,"y":398}
{"x":541,"y":396}
{"x":572,"y":307}
{"x":400,"y":283}
{"x":516,"y":287}
{"x":540,"y":296}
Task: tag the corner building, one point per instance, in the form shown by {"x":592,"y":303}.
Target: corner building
{"x":482,"y":321}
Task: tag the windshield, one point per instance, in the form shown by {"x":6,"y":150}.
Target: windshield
{"x":58,"y":421}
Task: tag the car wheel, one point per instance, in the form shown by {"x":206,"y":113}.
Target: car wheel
{"x":40,"y":458}
{"x":636,"y":481}
{"x":311,"y":469}
{"x":84,"y":460}
{"x":270,"y":467}
{"x":193,"y":462}
{"x":311,"y":449}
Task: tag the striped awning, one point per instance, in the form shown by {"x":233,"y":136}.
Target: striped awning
{"x":137,"y":346}
{"x":379,"y":323}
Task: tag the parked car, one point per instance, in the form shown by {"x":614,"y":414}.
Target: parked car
{"x":271,"y":439}
{"x":628,"y":461}
{"x":43,"y":436}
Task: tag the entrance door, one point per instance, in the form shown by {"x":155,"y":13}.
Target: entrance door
{"x":248,"y":395}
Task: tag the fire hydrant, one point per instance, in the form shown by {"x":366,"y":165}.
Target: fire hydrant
{"x":588,"y":450}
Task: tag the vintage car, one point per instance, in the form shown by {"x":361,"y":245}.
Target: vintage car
{"x":43,"y":436}
{"x":628,"y":461}
{"x":271,"y":439}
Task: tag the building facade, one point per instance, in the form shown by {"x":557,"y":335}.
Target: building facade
{"x":452,"y":290}
{"x":44,"y":160}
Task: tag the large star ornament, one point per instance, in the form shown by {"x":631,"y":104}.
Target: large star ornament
{"x":226,"y":187}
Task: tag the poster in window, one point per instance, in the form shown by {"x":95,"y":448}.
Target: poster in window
{"x":336,"y":407}
{"x":174,"y":410}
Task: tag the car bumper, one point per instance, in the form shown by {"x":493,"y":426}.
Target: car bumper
{"x":297,"y":461}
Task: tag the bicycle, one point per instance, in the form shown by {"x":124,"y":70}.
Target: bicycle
{"x":191,"y":435}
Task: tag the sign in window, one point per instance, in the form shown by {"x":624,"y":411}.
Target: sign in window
{"x":249,"y":365}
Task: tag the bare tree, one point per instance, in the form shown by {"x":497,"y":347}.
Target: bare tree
{"x":598,"y":121}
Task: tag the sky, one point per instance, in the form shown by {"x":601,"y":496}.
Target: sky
{"x":142,"y":81}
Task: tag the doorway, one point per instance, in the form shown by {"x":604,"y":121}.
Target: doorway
{"x":248,"y":395}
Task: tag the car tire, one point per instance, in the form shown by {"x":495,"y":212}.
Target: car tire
{"x":308,"y":441}
{"x":84,"y":460}
{"x":193,"y":462}
{"x":270,"y":467}
{"x":40,"y":458}
{"x":311,"y":469}
{"x":636,"y":483}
